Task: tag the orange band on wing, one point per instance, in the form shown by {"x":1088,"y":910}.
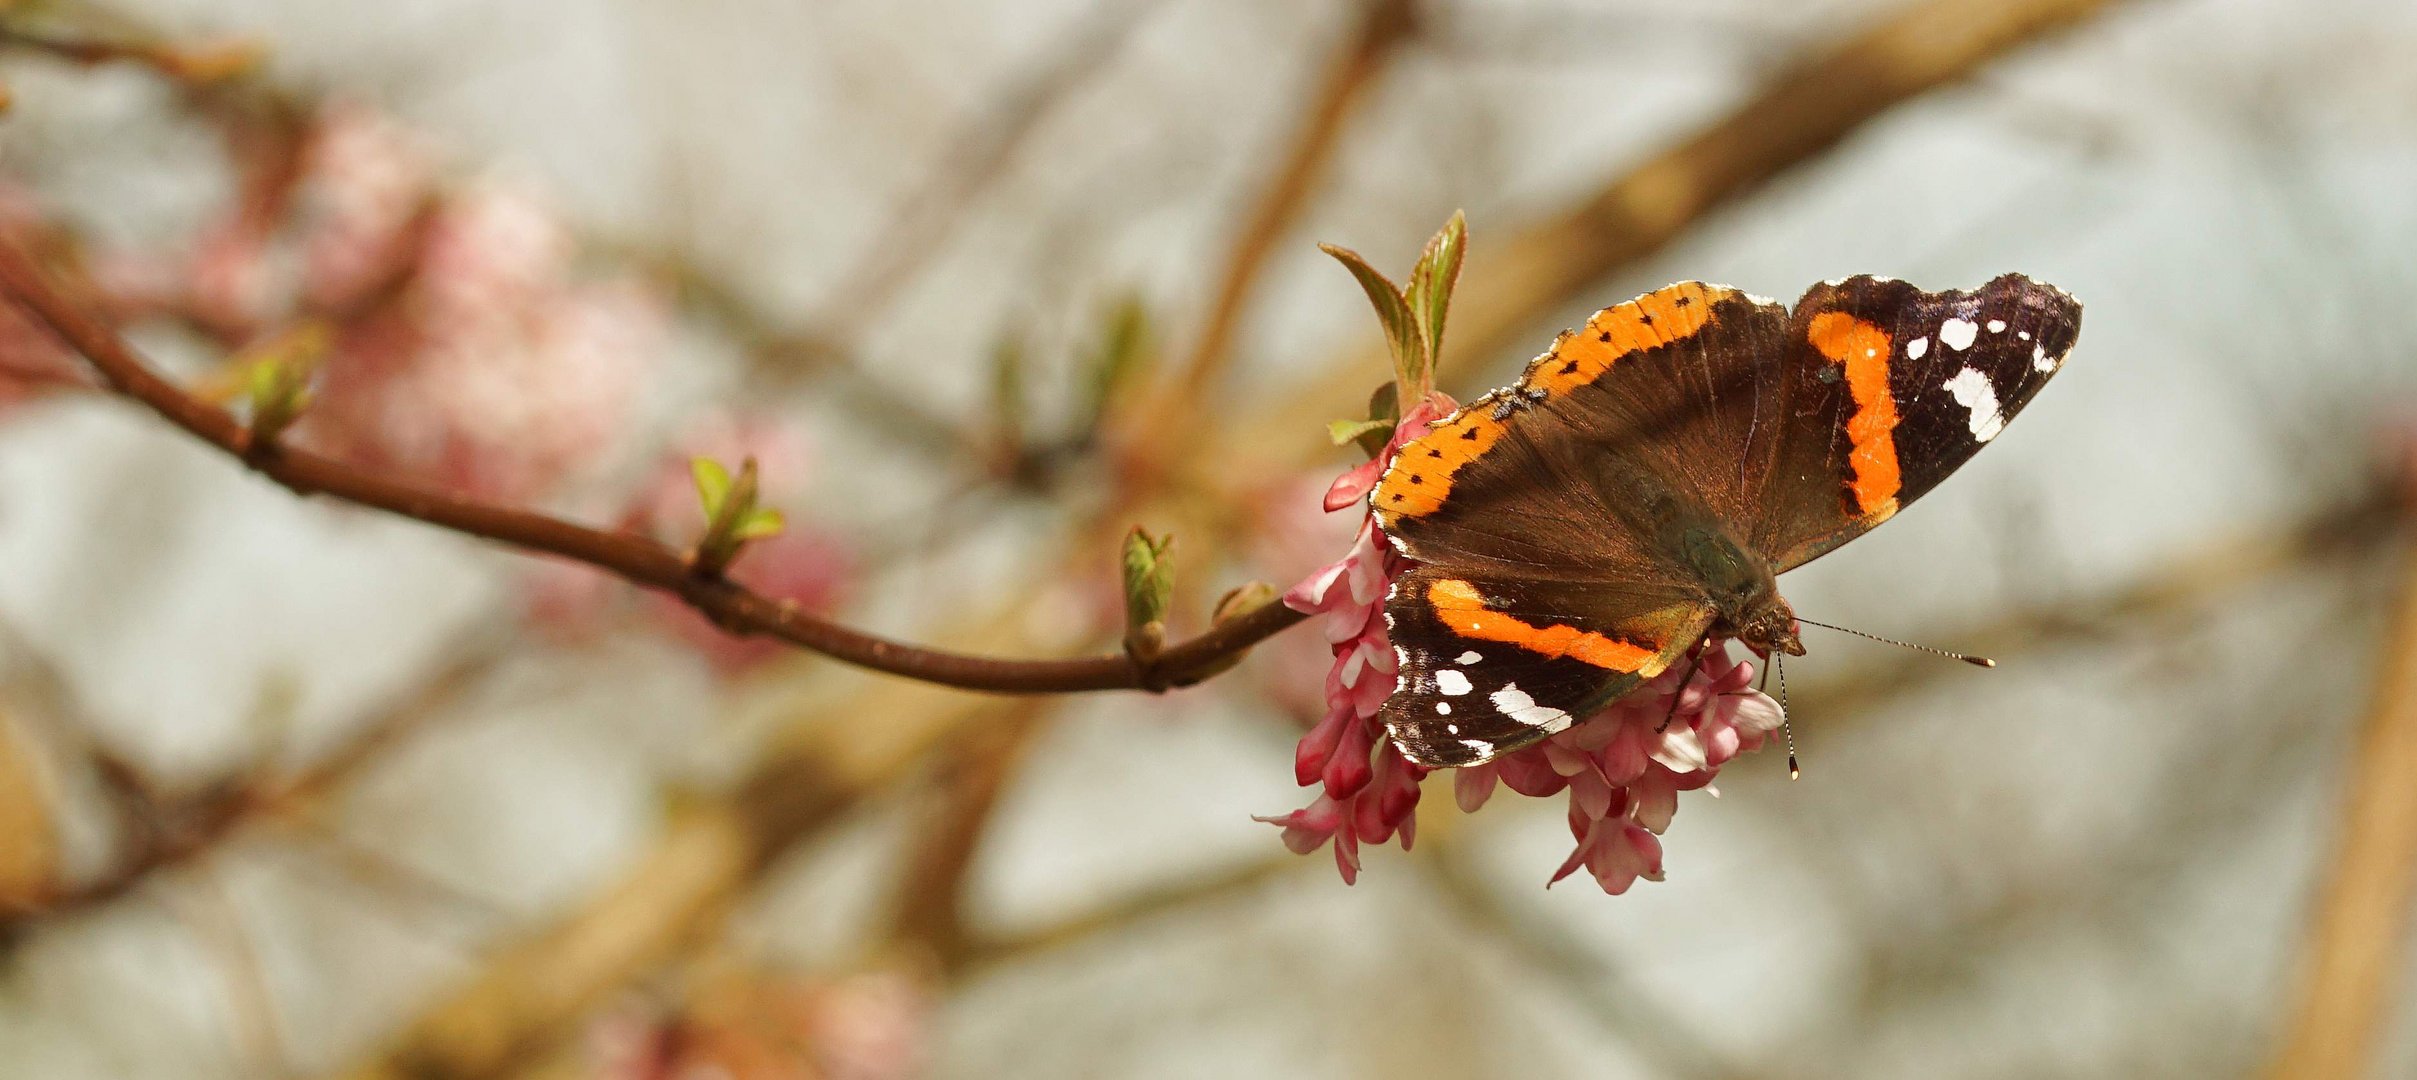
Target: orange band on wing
{"x":1864,"y":349}
{"x":1421,"y":476}
{"x":1658,"y":318}
{"x":1458,"y":606}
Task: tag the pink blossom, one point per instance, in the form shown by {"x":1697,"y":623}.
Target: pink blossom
{"x":496,"y":371}
{"x":365,"y":178}
{"x":1621,"y":768}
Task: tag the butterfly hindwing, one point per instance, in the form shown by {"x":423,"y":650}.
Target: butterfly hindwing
{"x":1488,"y":666}
{"x":1890,"y":389}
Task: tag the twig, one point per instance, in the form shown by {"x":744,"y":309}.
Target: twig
{"x":175,"y":833}
{"x":2353,"y":961}
{"x":929,"y":900}
{"x":201,"y":64}
{"x":988,"y":952}
{"x":212,"y":913}
{"x":1384,"y":25}
{"x":1651,"y":1031}
{"x":976,"y":158}
{"x":715,"y":848}
{"x":637,"y":559}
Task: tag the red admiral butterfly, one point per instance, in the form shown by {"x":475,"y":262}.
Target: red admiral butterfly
{"x":1649,"y":476}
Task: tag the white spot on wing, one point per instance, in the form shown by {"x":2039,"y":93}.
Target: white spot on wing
{"x":1516,"y":704}
{"x":1470,"y":657}
{"x":1452,"y":683}
{"x":2040,"y":360}
{"x":2023,"y":334}
{"x":1480,"y":745}
{"x":1915,"y":349}
{"x":1957,"y":334}
{"x":1451,"y":729}
{"x":1443,"y":708}
{"x":1973,"y":391}
{"x":1997,"y":326}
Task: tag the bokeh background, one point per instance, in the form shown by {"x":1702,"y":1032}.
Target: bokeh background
{"x":288,"y":788}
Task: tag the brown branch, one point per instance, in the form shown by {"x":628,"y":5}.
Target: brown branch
{"x":712,"y":852}
{"x":928,"y":904}
{"x":197,"y":64}
{"x":636,"y":559}
{"x":976,"y":158}
{"x":1384,"y":25}
{"x":2351,"y":970}
{"x":173,"y":833}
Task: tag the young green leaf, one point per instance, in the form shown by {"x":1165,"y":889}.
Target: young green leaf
{"x":1243,"y":600}
{"x":762,"y":524}
{"x":1149,"y":585}
{"x":1124,"y":351}
{"x":713,"y":485}
{"x":1402,"y":333}
{"x":1007,"y":363}
{"x":1429,"y":297}
{"x":277,"y":377}
{"x":1149,"y":577}
{"x":1344,"y":431}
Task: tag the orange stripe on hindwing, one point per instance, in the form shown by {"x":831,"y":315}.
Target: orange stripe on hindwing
{"x":1459,"y":606}
{"x":1864,"y":349}
{"x":1421,"y":476}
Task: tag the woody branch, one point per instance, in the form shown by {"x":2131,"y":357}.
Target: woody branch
{"x":636,"y":559}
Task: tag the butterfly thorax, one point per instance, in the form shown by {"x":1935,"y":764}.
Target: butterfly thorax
{"x":1744,"y":593}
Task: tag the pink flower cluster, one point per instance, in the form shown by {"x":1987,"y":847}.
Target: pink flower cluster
{"x":1621,"y":767}
{"x":469,"y":352}
{"x":468,"y":349}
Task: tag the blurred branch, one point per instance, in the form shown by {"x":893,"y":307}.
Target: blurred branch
{"x":170,"y":832}
{"x":197,"y":64}
{"x":213,"y":915}
{"x":713,"y":851}
{"x":929,"y":899}
{"x":1383,"y":27}
{"x":1541,"y":947}
{"x":977,"y":157}
{"x":1139,"y":907}
{"x":637,"y":559}
{"x":2175,"y":585}
{"x":2352,"y":967}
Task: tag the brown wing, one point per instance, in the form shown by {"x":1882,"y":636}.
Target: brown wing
{"x":1487,"y":666}
{"x":1560,"y":506}
{"x":1656,"y":409}
{"x":1889,"y":389}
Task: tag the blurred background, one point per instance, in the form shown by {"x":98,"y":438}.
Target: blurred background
{"x":289,"y":788}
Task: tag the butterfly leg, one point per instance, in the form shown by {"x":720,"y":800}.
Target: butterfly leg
{"x":1695,"y":659}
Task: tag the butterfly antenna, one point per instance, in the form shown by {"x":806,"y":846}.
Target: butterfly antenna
{"x":1976,"y":661}
{"x":1787,"y":728}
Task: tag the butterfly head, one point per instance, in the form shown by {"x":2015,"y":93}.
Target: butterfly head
{"x":1770,"y":627}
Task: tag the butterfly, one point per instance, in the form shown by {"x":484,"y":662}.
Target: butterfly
{"x":1649,"y":477}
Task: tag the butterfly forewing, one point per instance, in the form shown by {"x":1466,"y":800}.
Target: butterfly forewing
{"x":1890,"y":389}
